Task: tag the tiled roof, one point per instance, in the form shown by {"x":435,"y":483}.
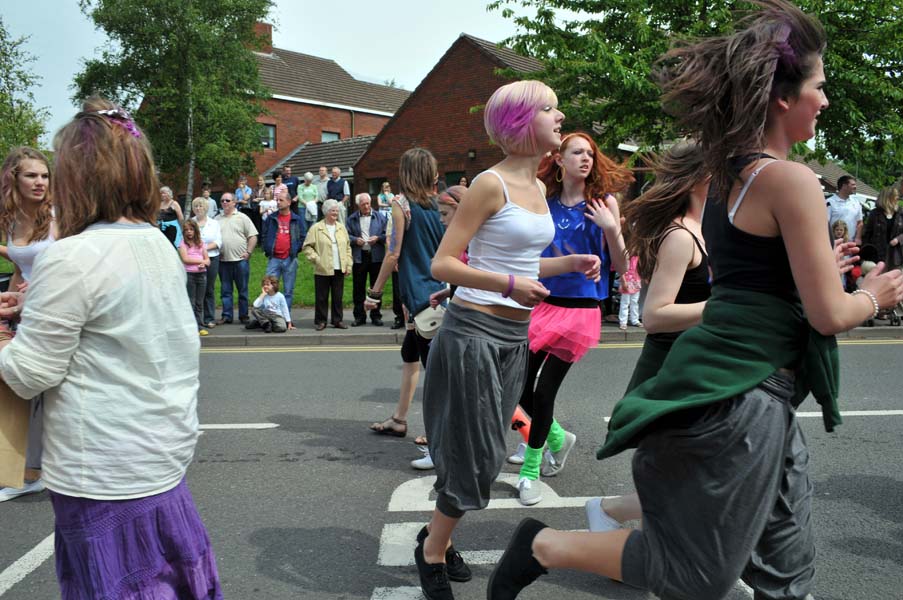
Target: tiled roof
{"x":317,"y":79}
{"x":506,"y":57}
{"x":310,"y":157}
{"x":830,"y":172}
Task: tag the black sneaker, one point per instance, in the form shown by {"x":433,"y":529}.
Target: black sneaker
{"x":398,"y":324}
{"x":517,"y":568}
{"x":455,"y":566}
{"x":255,"y":324}
{"x":433,"y":578}
{"x":359,"y":322}
{"x":267,"y":327}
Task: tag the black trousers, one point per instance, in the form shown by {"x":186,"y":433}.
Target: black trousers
{"x":324,"y":285}
{"x":396,"y":298}
{"x":359,"y":273}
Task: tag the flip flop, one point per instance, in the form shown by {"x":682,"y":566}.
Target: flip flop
{"x":385,"y":427}
{"x":421,"y":440}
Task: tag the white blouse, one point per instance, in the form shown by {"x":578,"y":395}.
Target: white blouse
{"x":108,"y":333}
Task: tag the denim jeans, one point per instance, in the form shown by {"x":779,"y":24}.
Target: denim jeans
{"x":287,"y":268}
{"x":209,"y":296}
{"x":234,"y":273}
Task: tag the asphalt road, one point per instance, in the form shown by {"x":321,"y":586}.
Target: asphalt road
{"x":302,"y":509}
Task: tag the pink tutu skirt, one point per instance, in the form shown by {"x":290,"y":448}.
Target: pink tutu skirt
{"x":565,"y":332}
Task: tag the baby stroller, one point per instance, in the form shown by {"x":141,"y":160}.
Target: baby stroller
{"x":868,"y":257}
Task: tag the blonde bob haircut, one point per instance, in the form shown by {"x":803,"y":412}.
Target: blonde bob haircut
{"x":104,"y":170}
{"x":508,"y":115}
{"x":199,"y":202}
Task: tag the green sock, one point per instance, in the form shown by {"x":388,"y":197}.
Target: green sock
{"x":556,"y":437}
{"x":532,"y":460}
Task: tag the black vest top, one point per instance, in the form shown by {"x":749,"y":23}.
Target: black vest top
{"x":742,"y":260}
{"x":694,"y":288}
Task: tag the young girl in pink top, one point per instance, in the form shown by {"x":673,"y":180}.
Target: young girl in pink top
{"x":193,"y":252}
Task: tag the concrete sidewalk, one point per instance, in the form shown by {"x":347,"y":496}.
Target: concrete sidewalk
{"x":235,"y":335}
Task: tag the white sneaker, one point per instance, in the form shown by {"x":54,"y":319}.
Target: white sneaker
{"x":32,"y":487}
{"x":518,"y":457}
{"x":553,"y":462}
{"x":425,"y":463}
{"x":597,"y":518}
{"x":528,"y":492}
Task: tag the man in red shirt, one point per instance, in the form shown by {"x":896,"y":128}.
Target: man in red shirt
{"x":283,"y":235}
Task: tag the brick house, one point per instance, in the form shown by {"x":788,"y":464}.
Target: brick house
{"x":437,"y":116}
{"x":315,"y":100}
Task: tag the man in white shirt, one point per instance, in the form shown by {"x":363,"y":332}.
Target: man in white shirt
{"x":842,"y":207}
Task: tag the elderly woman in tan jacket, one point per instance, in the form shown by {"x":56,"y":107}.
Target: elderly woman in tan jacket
{"x":327,"y":246}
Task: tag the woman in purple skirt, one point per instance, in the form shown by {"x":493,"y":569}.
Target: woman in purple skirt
{"x":108,"y":335}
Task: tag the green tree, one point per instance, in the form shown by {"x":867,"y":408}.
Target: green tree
{"x":187,"y":70}
{"x":598,"y":56}
{"x":21,"y":123}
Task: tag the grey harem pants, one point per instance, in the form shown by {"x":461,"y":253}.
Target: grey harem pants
{"x":725,"y":496}
{"x":475,"y":374}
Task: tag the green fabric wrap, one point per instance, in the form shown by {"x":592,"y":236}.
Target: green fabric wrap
{"x":744,"y":337}
{"x":649,"y":363}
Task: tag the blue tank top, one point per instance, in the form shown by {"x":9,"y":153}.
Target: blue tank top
{"x":576,"y":234}
{"x":421,"y":240}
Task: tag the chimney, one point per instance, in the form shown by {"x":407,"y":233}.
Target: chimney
{"x":264,"y":34}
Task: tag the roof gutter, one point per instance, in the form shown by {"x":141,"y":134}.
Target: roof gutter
{"x":381,"y":113}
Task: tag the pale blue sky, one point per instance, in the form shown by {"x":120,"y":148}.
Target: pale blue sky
{"x":379,"y":40}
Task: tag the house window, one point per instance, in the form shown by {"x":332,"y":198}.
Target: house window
{"x":268,"y":136}
{"x":329,"y":136}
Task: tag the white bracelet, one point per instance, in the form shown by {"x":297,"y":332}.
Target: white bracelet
{"x":871,"y":297}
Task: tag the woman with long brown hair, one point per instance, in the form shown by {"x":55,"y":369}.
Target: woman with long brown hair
{"x":108,"y":334}
{"x":721,"y":466}
{"x":417,"y":230}
{"x":580,"y":182}
{"x":26,"y":223}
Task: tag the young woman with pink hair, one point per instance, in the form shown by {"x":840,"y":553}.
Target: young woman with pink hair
{"x":478,"y":359}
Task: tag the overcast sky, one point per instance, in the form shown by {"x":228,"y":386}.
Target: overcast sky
{"x":373,"y":40}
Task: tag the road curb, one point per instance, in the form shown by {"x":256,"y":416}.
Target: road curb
{"x":297,"y":339}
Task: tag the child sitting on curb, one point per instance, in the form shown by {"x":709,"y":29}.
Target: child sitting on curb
{"x":270,"y":311}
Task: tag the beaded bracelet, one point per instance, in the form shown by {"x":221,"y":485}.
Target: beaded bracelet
{"x":373,"y":294}
{"x":871,"y":297}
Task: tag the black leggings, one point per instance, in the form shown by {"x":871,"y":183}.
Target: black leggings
{"x":538,"y":398}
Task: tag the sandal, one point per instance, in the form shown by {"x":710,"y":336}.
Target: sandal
{"x":387,"y":427}
{"x":421,"y":440}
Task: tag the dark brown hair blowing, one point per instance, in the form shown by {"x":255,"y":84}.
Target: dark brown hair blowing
{"x":103,"y":171}
{"x":606,"y":176}
{"x":11,"y":200}
{"x":719,"y":88}
{"x":647,"y":218}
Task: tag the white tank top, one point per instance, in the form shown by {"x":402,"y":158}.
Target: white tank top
{"x":508,"y":242}
{"x":24,"y":256}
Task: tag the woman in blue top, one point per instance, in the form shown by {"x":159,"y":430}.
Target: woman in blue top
{"x":579,"y":181}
